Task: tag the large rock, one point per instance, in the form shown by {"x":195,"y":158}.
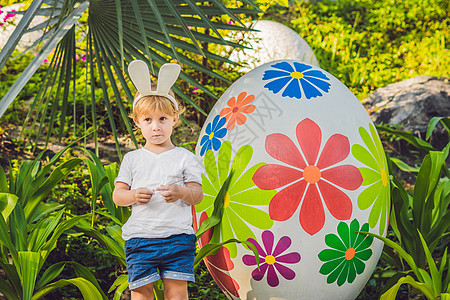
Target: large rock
{"x":272,"y":41}
{"x":412,"y":103}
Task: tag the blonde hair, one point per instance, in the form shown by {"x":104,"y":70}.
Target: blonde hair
{"x":155,"y":103}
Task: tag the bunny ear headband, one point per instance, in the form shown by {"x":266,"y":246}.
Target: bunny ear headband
{"x":140,"y":76}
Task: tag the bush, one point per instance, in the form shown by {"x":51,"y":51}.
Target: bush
{"x":369,"y":44}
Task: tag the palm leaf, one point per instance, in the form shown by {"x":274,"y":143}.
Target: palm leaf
{"x":118,"y":31}
{"x":120,"y":284}
{"x":83,"y":272}
{"x":35,"y":64}
{"x":29,"y":263}
{"x":424,"y":288}
{"x":50,"y":273}
{"x":7,"y":204}
{"x":19,"y":31}
{"x":7,"y":290}
{"x":87,"y":288}
{"x":213,"y":248}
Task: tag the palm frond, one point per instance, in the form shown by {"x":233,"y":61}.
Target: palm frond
{"x":115,"y":33}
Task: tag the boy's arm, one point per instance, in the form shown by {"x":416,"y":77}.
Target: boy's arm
{"x":192,"y":193}
{"x":123,"y":196}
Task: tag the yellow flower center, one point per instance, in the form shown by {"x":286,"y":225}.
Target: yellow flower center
{"x":270,"y":259}
{"x":211,"y":135}
{"x":297,"y":75}
{"x":384,"y":178}
{"x":226,"y":200}
{"x":350,"y":253}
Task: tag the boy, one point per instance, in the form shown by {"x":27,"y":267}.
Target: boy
{"x":161,"y":182}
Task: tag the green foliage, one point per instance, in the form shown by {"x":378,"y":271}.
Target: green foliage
{"x":30,"y":229}
{"x":204,"y":287}
{"x":432,"y":286}
{"x":368,"y":44}
{"x":10,"y":2}
{"x":420,"y":223}
{"x":111,"y":38}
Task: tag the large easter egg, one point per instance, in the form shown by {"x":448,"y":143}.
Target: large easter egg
{"x":308,"y":173}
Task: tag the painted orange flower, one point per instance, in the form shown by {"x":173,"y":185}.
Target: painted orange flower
{"x":237,"y":108}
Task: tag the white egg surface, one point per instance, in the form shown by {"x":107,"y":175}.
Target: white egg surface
{"x":309,"y":173}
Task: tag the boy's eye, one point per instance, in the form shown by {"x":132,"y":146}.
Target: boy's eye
{"x":147,"y":119}
{"x":163,"y":118}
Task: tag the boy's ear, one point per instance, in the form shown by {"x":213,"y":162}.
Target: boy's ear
{"x":175,"y":119}
{"x":136,"y":122}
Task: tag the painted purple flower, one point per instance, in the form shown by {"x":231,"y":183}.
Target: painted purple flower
{"x":270,"y":259}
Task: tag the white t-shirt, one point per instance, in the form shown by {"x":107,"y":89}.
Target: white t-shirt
{"x":157,"y":218}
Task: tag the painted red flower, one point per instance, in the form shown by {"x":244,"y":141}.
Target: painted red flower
{"x":218,"y":264}
{"x":311,"y":178}
{"x":237,"y":108}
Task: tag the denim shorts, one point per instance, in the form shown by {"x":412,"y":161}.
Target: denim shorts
{"x":173,"y":257}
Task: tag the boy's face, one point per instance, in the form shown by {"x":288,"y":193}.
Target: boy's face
{"x":156,"y":127}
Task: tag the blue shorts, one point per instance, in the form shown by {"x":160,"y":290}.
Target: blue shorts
{"x":172,"y":256}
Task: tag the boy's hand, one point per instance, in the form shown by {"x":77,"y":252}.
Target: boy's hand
{"x":170,"y":193}
{"x":143,"y":195}
{"x":191,"y":194}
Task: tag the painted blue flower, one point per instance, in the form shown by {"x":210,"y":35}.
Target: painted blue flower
{"x":214,"y":132}
{"x":296,"y":78}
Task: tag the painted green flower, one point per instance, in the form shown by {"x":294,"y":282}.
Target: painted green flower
{"x":375,"y":178}
{"x":243,"y":200}
{"x":349,"y":252}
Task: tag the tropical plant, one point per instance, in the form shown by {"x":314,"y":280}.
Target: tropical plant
{"x":420,"y":222}
{"x":30,"y":229}
{"x":113,"y":33}
{"x":434,"y":284}
{"x":426,"y":210}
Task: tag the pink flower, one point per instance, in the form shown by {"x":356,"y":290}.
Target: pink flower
{"x":77,"y":57}
{"x":9,"y":15}
{"x":83,"y":58}
{"x":230,"y":22}
{"x":195,"y":90}
{"x":189,"y":27}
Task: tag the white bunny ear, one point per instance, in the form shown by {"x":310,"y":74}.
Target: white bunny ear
{"x":140,"y":75}
{"x":168,"y":74}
